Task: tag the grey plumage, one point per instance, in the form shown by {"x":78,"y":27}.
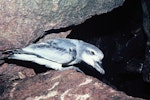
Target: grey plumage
{"x":57,"y":52}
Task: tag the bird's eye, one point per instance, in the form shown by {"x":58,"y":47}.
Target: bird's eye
{"x":92,"y":53}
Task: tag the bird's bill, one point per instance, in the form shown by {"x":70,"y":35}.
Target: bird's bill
{"x":99,"y":68}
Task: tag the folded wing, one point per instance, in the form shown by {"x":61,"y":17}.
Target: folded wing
{"x":56,"y":50}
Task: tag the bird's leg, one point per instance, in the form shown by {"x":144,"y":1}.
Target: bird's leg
{"x":72,"y":67}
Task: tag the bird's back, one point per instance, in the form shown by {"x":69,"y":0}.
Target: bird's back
{"x":62,"y":51}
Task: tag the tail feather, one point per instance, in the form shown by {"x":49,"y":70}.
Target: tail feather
{"x":15,"y":51}
{"x":8,"y":53}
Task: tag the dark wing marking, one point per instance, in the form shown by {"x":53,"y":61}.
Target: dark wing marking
{"x":55,"y":50}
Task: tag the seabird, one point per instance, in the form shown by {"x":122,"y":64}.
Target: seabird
{"x":54,"y":53}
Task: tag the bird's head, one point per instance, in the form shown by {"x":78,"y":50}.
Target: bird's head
{"x":93,"y":56}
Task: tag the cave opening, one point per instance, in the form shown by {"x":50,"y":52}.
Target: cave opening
{"x":119,"y":34}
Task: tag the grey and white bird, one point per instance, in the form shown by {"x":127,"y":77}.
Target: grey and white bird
{"x":54,"y":53}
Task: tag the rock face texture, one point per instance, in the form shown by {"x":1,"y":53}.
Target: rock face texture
{"x":22,"y":21}
{"x":57,"y":85}
{"x":146,"y":25}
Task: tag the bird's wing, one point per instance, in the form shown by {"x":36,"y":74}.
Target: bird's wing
{"x":57,"y":50}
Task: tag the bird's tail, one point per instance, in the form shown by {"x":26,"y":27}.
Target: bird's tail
{"x":7,"y":53}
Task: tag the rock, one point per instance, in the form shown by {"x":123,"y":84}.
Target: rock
{"x":55,"y":35}
{"x":16,"y":72}
{"x":23,"y":21}
{"x":146,"y":25}
{"x":146,"y":19}
{"x":1,"y":60}
{"x":60,"y":85}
